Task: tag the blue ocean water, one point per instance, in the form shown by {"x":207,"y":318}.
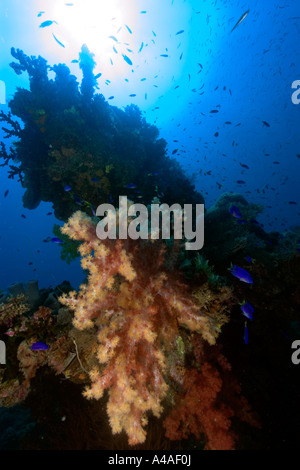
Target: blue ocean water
{"x":186,"y":63}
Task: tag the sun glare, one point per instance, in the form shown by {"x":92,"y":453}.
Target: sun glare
{"x":90,"y":22}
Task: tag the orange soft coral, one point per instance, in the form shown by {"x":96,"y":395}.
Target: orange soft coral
{"x":199,"y":412}
{"x":137,"y":305}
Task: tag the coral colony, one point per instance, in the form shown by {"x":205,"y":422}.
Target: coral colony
{"x":141,"y":337}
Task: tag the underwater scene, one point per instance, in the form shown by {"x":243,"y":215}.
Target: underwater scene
{"x":150,"y":229}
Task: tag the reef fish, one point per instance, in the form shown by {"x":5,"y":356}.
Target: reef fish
{"x":246,"y":334}
{"x":58,"y":42}
{"x":235,"y":211}
{"x":247,"y":310}
{"x":240,"y":20}
{"x":47,"y":23}
{"x":241,"y":274}
{"x":56,"y":240}
{"x":127,"y":59}
{"x":39,"y":346}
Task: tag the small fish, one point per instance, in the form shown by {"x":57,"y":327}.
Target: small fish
{"x":246,"y":334}
{"x":179,"y":32}
{"x":60,"y":43}
{"x":6,"y":193}
{"x":24,"y":216}
{"x":249,"y":259}
{"x":39,"y":346}
{"x":95,"y":180}
{"x":213,"y":111}
{"x":40,"y":14}
{"x":78,"y":200}
{"x":144,"y":11}
{"x":244,"y":166}
{"x":174,"y":151}
{"x":241,"y":182}
{"x":130,"y":186}
{"x":247,"y":310}
{"x":111,"y":98}
{"x":67,"y":187}
{"x":127,"y":59}
{"x":98,"y":76}
{"x":164,"y":55}
{"x":49,"y":213}
{"x":235,"y":211}
{"x":240,"y":20}
{"x":128,"y":29}
{"x":113,"y":38}
{"x":132,"y":95}
{"x":74,"y":61}
{"x":293,"y":202}
{"x":265,"y":123}
{"x":241,"y":274}
{"x":217,"y":134}
{"x":142,"y":45}
{"x":56,"y":240}
{"x":154,"y":34}
{"x":47,"y":23}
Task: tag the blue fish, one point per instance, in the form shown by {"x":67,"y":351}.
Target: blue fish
{"x":127,"y":59}
{"x":246,"y":333}
{"x":241,"y":274}
{"x":78,"y":200}
{"x":39,"y":346}
{"x":247,"y":310}
{"x":130,"y":186}
{"x":235,"y":211}
{"x":58,"y":42}
{"x":128,"y":29}
{"x":249,"y":259}
{"x":56,"y":240}
{"x":67,"y":187}
{"x":47,"y":23}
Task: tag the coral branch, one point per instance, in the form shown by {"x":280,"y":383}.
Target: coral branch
{"x":138,"y":308}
